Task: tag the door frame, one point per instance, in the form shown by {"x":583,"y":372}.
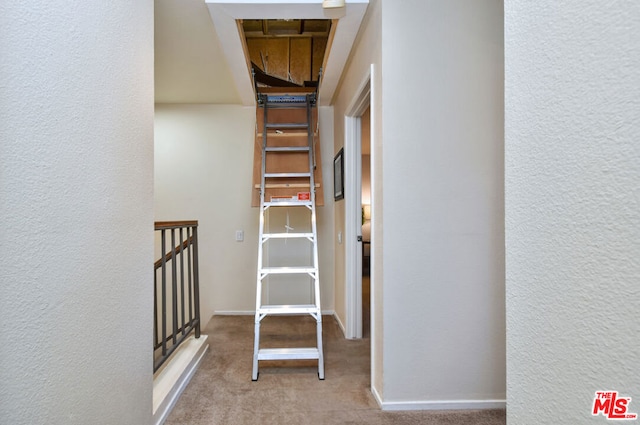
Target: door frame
{"x":353,"y":219}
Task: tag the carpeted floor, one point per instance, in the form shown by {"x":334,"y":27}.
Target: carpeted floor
{"x":221,"y":391}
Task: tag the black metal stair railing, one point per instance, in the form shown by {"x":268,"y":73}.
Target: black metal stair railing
{"x":176,"y":297}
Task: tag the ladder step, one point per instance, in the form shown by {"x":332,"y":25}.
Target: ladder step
{"x":284,"y":135}
{"x":288,"y":204}
{"x":286,"y":175}
{"x":286,"y":149}
{"x":286,"y":235}
{"x":289,"y":125}
{"x":288,"y":309}
{"x":285,"y":185}
{"x":288,"y":270}
{"x":288,"y":354}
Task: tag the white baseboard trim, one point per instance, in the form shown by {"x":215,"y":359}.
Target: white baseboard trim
{"x":439,"y":404}
{"x":172,"y":378}
{"x":374,"y":391}
{"x":340,"y":324}
{"x":234,"y":313}
{"x":253,"y":312}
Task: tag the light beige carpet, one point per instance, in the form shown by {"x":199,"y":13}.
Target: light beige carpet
{"x":221,"y":391}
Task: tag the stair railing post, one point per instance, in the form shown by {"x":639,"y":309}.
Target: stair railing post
{"x":196,"y":280}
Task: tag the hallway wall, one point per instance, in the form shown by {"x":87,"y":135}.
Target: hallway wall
{"x":366,"y":51}
{"x":76,"y":212}
{"x":573,"y":207}
{"x":443,"y":207}
{"x":203,"y":165}
{"x":203,"y":171}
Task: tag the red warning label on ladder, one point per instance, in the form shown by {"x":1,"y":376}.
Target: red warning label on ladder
{"x":304,"y":196}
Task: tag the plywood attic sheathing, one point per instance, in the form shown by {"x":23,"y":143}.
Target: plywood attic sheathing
{"x":292,"y":59}
{"x":296,"y":162}
{"x":292,"y":50}
{"x":226,"y":14}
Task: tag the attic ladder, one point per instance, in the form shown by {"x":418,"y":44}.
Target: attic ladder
{"x":305,"y":200}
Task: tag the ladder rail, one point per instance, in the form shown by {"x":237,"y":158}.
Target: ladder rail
{"x":314,"y":230}
{"x":263,"y":166}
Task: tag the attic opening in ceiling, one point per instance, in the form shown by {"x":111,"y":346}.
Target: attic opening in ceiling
{"x":286,"y":52}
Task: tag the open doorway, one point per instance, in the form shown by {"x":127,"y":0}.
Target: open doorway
{"x":365,"y":201}
{"x":357,"y":126}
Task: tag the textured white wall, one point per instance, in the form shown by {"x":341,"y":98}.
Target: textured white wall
{"x":203,"y":166}
{"x":203,"y":171}
{"x":366,"y":51}
{"x":76,"y":212}
{"x":442,"y":98}
{"x":573,"y":207}
{"x":324,"y":215}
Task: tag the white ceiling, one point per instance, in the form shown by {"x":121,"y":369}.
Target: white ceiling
{"x":197,"y":62}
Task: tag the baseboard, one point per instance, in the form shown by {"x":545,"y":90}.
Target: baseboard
{"x":172,"y":378}
{"x":253,"y":312}
{"x":234,"y":313}
{"x":344,"y":330}
{"x":376,"y":396}
{"x":439,"y":404}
